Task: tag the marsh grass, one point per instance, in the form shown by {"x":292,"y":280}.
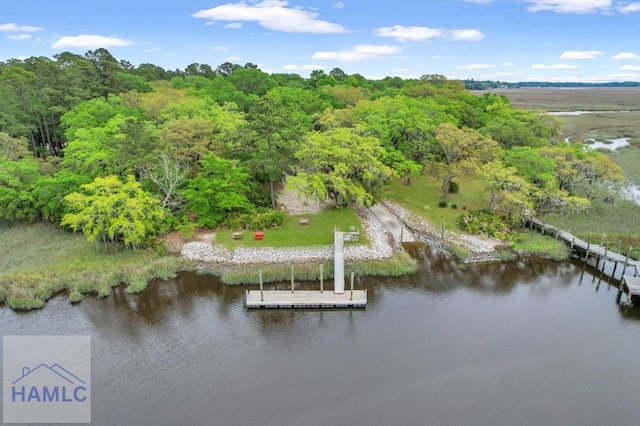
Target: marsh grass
{"x":41,"y":260}
{"x":318,"y":232}
{"x":531,"y":243}
{"x":400,"y":264}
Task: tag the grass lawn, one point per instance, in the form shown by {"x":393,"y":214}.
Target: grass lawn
{"x":423,"y":195}
{"x":319,"y":231}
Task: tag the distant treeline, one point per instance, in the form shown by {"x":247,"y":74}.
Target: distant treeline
{"x":488,"y":84}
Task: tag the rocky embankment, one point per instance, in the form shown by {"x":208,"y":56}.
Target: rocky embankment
{"x":381,"y":247}
{"x":480,"y":250}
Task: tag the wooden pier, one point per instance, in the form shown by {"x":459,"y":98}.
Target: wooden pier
{"x":631,"y":287}
{"x":607,"y":261}
{"x":305,"y":299}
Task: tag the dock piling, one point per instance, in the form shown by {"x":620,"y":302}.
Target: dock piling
{"x":261,"y":286}
{"x":352,"y":275}
{"x":322,"y":278}
{"x":292,"y":281}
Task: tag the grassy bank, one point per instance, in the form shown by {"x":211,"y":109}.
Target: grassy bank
{"x":400,"y":264}
{"x":40,"y":260}
{"x":422,"y":197}
{"x":531,"y":243}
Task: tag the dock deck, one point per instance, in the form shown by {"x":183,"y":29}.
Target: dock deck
{"x":305,"y":299}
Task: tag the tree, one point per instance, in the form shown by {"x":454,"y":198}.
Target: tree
{"x":13,"y":148}
{"x":109,"y":210}
{"x":277,"y":126}
{"x":459,"y":151}
{"x":510,"y":195}
{"x":17,"y":182}
{"x":341,"y":165}
{"x":578,"y":169}
{"x":220,"y":189}
{"x":167,"y":176}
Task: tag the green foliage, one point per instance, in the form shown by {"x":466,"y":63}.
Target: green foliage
{"x":483,"y":222}
{"x":219,"y":190}
{"x":454,"y":187}
{"x":264,"y":218}
{"x":531,"y":243}
{"x":342,"y":166}
{"x":109,"y":210}
{"x":442,"y":203}
{"x":17,"y":182}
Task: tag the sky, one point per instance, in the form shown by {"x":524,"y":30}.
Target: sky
{"x":506,"y":40}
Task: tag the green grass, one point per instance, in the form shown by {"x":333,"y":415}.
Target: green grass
{"x":319,"y":231}
{"x":423,"y":195}
{"x":40,"y":260}
{"x":531,"y":243}
{"x":400,"y":264}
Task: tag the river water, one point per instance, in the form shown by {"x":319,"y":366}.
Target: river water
{"x":525,"y":343}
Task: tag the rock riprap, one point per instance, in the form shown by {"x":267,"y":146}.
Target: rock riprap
{"x":380,"y":247}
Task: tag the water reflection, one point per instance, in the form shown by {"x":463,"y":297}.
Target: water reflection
{"x":525,"y":342}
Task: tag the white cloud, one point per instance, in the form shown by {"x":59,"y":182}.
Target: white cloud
{"x":630,"y":68}
{"x":358,"y":53}
{"x":273,"y":15}
{"x":402,"y":33}
{"x":233,"y":25}
{"x":577,"y":54}
{"x":630,"y":8}
{"x":464,"y":35}
{"x":626,"y":55}
{"x":233,"y":59}
{"x":151,"y":49}
{"x":14,"y":28}
{"x":436,"y":57}
{"x":569,"y":6}
{"x":338,"y":5}
{"x":221,"y":48}
{"x":18,"y":37}
{"x":309,"y":67}
{"x":554,"y":67}
{"x":89,"y":41}
{"x":475,"y":67}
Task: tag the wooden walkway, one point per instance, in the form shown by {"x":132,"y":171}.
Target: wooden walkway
{"x":589,"y":249}
{"x":305,"y":299}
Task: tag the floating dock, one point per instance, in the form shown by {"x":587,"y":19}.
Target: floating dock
{"x":305,"y":299}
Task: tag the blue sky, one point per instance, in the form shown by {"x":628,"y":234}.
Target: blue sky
{"x":517,"y":40}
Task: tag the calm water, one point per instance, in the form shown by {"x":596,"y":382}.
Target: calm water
{"x":527,"y":343}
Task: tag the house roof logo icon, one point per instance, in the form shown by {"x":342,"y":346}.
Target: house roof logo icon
{"x":50,"y":374}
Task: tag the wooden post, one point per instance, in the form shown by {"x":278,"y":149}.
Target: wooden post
{"x":615,"y":266}
{"x":261,"y":286}
{"x":321,"y":277}
{"x":588,"y":246}
{"x":573,"y":240}
{"x":292,"y":278}
{"x":352,"y":275}
{"x":401,"y":233}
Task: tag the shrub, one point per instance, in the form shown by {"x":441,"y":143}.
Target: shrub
{"x":454,"y":206}
{"x":454,"y":187}
{"x":75,"y":296}
{"x":442,"y":203}
{"x":483,"y":222}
